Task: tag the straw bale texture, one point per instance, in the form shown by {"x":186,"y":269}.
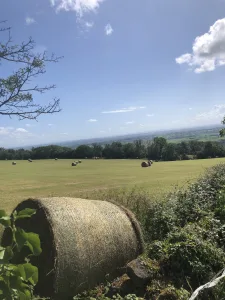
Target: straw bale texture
{"x":144,"y":164}
{"x":82,"y":242}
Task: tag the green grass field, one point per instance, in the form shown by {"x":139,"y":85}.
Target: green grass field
{"x":57,"y":178}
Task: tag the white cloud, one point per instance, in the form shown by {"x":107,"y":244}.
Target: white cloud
{"x":89,"y":24}
{"x":129,"y":122}
{"x":190,"y":108}
{"x":108,"y":29}
{"x":92,"y":120}
{"x":50,"y":125}
{"x":21,"y":130}
{"x":30,"y":21}
{"x":27,"y":125}
{"x":78,"y":6}
{"x":123,"y":110}
{"x":214,"y":115}
{"x":4,"y":130}
{"x":208,"y":50}
{"x":142,"y":125}
{"x":150,"y":115}
{"x":64,"y":133}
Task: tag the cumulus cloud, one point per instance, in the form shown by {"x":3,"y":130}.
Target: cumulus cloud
{"x":108,"y":29}
{"x":213,"y":115}
{"x":30,"y":21}
{"x":78,"y":6}
{"x":208,"y":50}
{"x":92,"y":120}
{"x":150,"y":115}
{"x":123,"y":110}
{"x":190,"y":108}
{"x":21,"y":130}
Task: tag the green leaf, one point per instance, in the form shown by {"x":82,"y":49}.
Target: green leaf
{"x":30,"y":240}
{"x":25,"y":213}
{"x":2,"y":252}
{"x":4,"y":219}
{"x":5,"y":254}
{"x":29,"y":273}
{"x":24,"y":295}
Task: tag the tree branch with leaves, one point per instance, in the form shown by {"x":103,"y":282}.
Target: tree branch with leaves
{"x":17,"y":91}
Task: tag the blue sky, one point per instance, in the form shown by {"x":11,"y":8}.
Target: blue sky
{"x":129,"y":66}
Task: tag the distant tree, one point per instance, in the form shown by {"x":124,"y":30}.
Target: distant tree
{"x":129,"y":150}
{"x":83,"y":151}
{"x":16,"y":91}
{"x":222,"y":131}
{"x":169,"y":152}
{"x":97,"y":150}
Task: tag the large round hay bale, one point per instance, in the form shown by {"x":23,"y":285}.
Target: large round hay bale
{"x":30,"y":160}
{"x":82,"y":241}
{"x":149,"y":163}
{"x":13,"y":163}
{"x":144,"y":164}
{"x":73,"y":164}
{"x":80,"y":161}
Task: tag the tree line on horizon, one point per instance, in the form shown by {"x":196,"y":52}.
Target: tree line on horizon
{"x":157,"y":149}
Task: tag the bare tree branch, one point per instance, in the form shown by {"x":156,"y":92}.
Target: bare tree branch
{"x":16,"y":94}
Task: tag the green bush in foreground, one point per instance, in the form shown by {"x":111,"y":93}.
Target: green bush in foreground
{"x":185,"y":235}
{"x":18,"y":280}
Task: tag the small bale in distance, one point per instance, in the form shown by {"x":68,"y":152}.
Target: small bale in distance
{"x":74,"y":164}
{"x":144,"y":164}
{"x":80,"y":161}
{"x":30,"y":160}
{"x":82,"y":241}
{"x":56,"y":158}
{"x":13,"y":163}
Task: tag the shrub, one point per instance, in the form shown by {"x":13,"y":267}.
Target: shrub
{"x":18,"y":280}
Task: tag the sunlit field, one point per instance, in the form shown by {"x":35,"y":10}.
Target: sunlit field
{"x":43,"y":178}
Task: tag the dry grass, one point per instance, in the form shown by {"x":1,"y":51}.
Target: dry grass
{"x":46,"y":178}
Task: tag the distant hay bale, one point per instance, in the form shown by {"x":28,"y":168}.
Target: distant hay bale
{"x":80,"y":161}
{"x":144,"y":164}
{"x":82,"y":241}
{"x":149,"y":163}
{"x":13,"y":163}
{"x":56,"y":158}
{"x":30,"y":160}
{"x":74,"y":164}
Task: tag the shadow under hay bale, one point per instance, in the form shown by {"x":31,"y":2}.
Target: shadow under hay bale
{"x":82,"y":241}
{"x":144,"y":164}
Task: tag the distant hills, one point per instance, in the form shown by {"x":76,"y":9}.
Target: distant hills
{"x":204,"y":133}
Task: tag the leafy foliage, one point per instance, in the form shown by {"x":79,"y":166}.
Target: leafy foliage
{"x":18,"y":280}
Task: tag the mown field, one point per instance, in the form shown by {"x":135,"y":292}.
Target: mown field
{"x":57,"y":178}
